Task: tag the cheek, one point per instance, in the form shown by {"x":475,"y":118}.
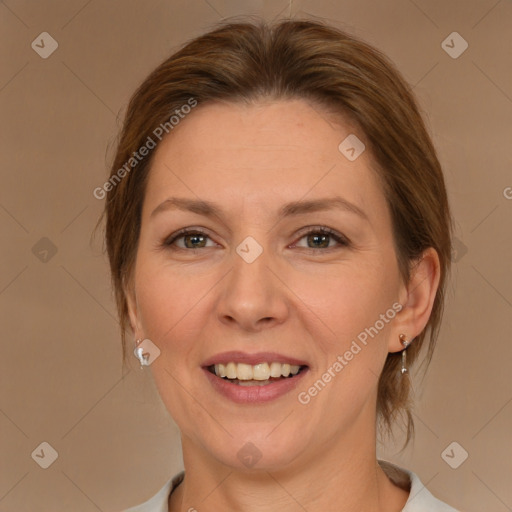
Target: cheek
{"x":352,"y":334}
{"x":164,"y":296}
{"x":352,"y":313}
{"x":344,"y":301}
{"x":174,"y":308}
{"x":168,"y":306}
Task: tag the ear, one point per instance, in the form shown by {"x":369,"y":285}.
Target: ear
{"x":132,"y":305}
{"x":417,"y":299}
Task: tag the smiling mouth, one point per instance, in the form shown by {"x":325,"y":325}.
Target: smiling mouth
{"x":261,"y":374}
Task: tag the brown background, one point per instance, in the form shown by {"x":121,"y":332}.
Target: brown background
{"x":61,"y":376}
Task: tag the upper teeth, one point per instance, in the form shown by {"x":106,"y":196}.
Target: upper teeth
{"x":261,"y":371}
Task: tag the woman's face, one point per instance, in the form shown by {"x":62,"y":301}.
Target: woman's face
{"x":263,"y":281}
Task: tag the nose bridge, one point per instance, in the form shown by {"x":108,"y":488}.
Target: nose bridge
{"x":251,"y":275}
{"x":252,"y":292}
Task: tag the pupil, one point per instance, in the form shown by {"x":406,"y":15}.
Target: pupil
{"x":193,"y":239}
{"x":323,"y":237}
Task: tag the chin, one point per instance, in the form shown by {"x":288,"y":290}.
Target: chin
{"x":259,"y":451}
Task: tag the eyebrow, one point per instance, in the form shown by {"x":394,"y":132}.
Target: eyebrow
{"x":210,"y":209}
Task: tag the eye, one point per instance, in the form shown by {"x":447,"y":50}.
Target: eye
{"x":193,"y":239}
{"x":320,"y":237}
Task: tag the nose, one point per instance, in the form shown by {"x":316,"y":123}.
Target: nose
{"x":253,"y":297}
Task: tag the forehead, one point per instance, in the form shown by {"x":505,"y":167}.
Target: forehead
{"x":269,"y":151}
{"x":294,"y":126}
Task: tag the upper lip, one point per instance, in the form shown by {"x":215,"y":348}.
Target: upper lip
{"x":252,"y":359}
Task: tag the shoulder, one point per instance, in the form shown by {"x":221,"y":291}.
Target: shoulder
{"x":159,"y":502}
{"x":420,"y":498}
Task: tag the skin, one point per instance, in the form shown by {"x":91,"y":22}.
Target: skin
{"x":297,"y":298}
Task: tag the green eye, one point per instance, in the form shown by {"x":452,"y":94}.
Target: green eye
{"x":195,"y":237}
{"x":321,"y":238}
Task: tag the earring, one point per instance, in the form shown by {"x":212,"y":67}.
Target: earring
{"x":405,"y":344}
{"x":141,"y":355}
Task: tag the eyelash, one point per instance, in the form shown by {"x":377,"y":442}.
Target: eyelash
{"x":318,"y":230}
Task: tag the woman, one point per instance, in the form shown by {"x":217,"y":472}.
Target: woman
{"x":279,"y":238}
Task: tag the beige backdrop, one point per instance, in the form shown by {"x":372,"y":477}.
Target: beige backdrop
{"x":61,"y":378}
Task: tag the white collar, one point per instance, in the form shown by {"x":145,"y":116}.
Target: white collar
{"x":420,"y":499}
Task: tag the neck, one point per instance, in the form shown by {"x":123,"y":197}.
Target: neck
{"x":345,"y":473}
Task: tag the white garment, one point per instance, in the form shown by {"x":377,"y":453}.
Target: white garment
{"x":420,"y":499}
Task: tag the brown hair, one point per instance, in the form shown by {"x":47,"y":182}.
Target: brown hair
{"x":247,"y":61}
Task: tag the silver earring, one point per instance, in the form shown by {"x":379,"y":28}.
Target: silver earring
{"x":141,"y":355}
{"x":405,"y":344}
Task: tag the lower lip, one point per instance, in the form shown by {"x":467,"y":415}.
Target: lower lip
{"x":254,"y":394}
